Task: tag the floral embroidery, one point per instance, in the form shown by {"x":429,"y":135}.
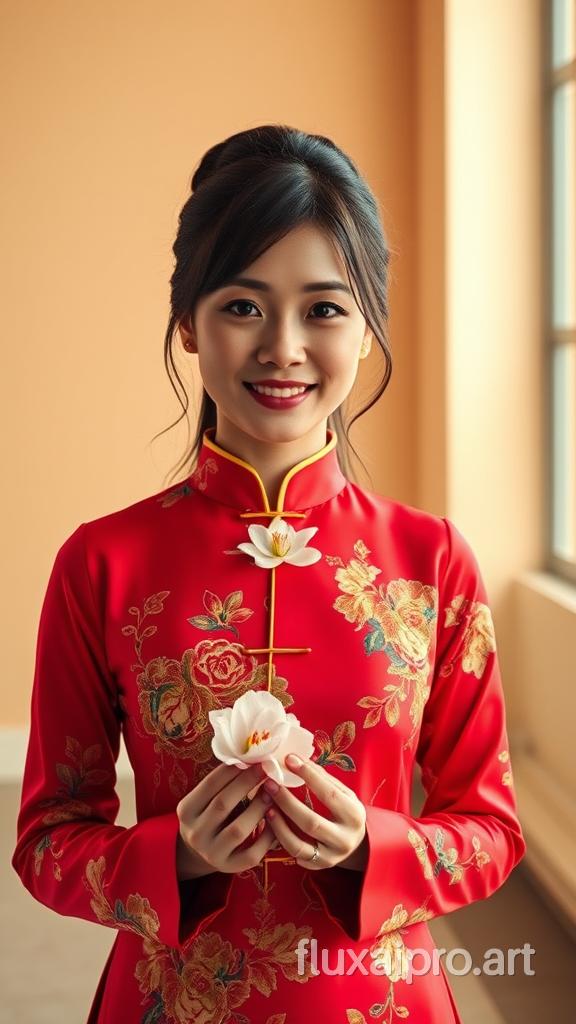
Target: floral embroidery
{"x":506,"y":779}
{"x":390,"y":953}
{"x":176,"y":695}
{"x":221,"y":614}
{"x":67,"y":805}
{"x":332,"y":747}
{"x":74,"y":780}
{"x":209,"y":977}
{"x":170,"y":498}
{"x":446,"y":860}
{"x":280,"y":542}
{"x":200,"y":474}
{"x":47,"y":843}
{"x":400,"y":616}
{"x":478,"y":639}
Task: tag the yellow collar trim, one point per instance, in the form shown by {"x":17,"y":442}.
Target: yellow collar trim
{"x":288,"y":476}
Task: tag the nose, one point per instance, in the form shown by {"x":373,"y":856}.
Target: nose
{"x":282,"y":344}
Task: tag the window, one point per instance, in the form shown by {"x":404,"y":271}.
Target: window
{"x":560,"y":176}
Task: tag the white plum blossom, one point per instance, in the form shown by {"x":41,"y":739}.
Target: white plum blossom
{"x":256,"y":729}
{"x":280,"y":542}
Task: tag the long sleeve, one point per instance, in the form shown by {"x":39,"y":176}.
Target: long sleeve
{"x":467,"y":838}
{"x":69,"y":853}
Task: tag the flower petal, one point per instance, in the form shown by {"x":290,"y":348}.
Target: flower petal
{"x":301,"y":538}
{"x":279,"y":525}
{"x":261,"y":537}
{"x":290,"y":780}
{"x":273,"y":770}
{"x":222,"y":742}
{"x":298,"y":741}
{"x":257,"y":710}
{"x":307,"y":556}
{"x":224,"y":753}
{"x":242,"y":714}
{"x":264,"y":561}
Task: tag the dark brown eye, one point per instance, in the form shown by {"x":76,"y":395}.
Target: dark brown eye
{"x":328,"y":305}
{"x":239,"y":302}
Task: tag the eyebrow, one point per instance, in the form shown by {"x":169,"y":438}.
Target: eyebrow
{"x":313,"y":286}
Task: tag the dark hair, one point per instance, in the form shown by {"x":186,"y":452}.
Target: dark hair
{"x":248,"y":192}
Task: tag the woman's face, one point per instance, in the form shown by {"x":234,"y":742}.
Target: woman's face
{"x":296,"y":320}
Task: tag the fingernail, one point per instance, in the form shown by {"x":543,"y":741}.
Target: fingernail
{"x":293,"y":761}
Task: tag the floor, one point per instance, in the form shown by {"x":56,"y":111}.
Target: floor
{"x":50,"y":964}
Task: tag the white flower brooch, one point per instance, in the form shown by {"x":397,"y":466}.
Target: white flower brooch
{"x":280,"y":542}
{"x":256,"y":729}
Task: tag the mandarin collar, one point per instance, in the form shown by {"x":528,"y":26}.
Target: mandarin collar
{"x":226,"y":478}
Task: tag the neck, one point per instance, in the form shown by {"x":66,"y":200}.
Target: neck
{"x":271,"y":460}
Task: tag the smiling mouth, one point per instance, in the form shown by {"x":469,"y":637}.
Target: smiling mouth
{"x":279,"y":387}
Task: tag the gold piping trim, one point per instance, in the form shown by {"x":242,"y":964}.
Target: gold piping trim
{"x":273,"y":512}
{"x":291,"y":472}
{"x":276,"y":650}
{"x":270,"y":670}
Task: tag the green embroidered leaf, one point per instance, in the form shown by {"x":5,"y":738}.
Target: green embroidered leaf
{"x":344,"y":761}
{"x":156,"y":1013}
{"x":394,"y":657}
{"x":120,"y":911}
{"x":374,"y":641}
{"x":204,"y":622}
{"x":156,"y":697}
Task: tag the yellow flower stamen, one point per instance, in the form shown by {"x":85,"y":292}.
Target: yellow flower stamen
{"x":255,"y":738}
{"x":280,"y":544}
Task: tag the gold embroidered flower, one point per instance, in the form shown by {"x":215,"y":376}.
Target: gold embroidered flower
{"x":280,"y":542}
{"x":257,"y":729}
{"x":389,"y":951}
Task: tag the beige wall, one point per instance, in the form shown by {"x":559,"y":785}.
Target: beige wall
{"x":110,"y":106}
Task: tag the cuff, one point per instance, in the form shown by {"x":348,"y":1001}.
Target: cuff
{"x":183,"y":906}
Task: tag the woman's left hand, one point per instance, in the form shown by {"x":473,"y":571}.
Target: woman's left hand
{"x":341,"y":840}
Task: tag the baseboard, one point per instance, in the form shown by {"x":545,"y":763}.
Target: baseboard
{"x":548,"y":818}
{"x":13,"y":747}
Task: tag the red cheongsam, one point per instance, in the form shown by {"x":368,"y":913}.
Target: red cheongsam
{"x":383,"y":648}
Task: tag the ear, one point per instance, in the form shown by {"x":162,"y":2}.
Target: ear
{"x":187,"y":334}
{"x":366,"y":343}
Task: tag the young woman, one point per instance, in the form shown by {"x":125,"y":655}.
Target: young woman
{"x":267,"y":571}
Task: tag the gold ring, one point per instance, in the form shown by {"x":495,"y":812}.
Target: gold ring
{"x":316,"y":853}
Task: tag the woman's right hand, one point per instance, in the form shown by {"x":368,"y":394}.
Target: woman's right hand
{"x":207,"y":842}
